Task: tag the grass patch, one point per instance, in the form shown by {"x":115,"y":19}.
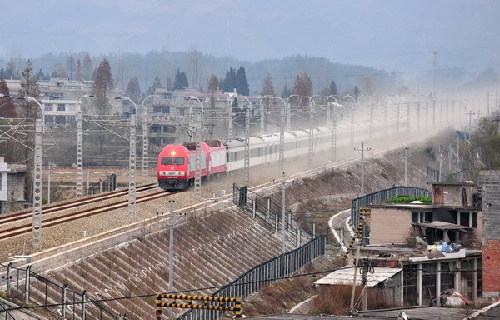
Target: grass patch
{"x":423,"y":199}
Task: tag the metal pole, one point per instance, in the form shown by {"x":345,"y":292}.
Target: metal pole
{"x":36,"y":224}
{"x":247,"y":147}
{"x":145,"y":145}
{"x":171,"y":250}
{"x":79,"y":154}
{"x":132,"y":196}
{"x":311,"y":127}
{"x":48,"y":185}
{"x":197,"y":175}
{"x":362,"y":149}
{"x":283,"y":212}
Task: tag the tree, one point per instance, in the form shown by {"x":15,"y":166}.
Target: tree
{"x":70,"y":66}
{"x":194,"y":62}
{"x":331,"y":90}
{"x":241,"y":82}
{"x":10,"y":68}
{"x":285,"y":93}
{"x":87,"y":67}
{"x":229,"y":83}
{"x":79,"y":74}
{"x":134,"y":90}
{"x":267,"y":86}
{"x":29,"y":88}
{"x":302,"y":87}
{"x":103,"y":84}
{"x":156,"y":84}
{"x":212,"y":87}
{"x":7,"y":107}
{"x":58,"y":71}
{"x":180,"y":81}
{"x":355,"y":93}
{"x":41,"y":76}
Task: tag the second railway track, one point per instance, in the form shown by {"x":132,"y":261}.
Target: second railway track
{"x":72,"y":216}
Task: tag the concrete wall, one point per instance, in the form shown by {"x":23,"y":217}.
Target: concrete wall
{"x":490,"y":181}
{"x":452,"y":194}
{"x":389,"y":225}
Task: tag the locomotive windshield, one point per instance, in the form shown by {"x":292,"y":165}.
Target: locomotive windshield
{"x":172,"y":161}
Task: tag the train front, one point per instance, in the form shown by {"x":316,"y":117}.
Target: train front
{"x":172,"y":168}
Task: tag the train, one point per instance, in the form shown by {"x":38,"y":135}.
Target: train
{"x":176,"y":166}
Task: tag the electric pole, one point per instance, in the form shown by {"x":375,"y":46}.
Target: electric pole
{"x":405,"y":155}
{"x":132,"y":196}
{"x":362,"y":150}
{"x":36,"y":223}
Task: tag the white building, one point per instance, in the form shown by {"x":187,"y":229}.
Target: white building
{"x":3,"y":183}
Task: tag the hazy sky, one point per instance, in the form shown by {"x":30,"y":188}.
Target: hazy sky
{"x":396,"y":35}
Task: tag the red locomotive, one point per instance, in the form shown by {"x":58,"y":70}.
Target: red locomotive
{"x":177,"y":163}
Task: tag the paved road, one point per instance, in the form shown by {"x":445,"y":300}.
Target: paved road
{"x":340,"y":228}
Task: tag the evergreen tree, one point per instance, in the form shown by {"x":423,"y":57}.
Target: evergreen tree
{"x":10,"y":70}
{"x":134,"y":90}
{"x":79,"y":74}
{"x":87,"y":68}
{"x":355,"y":93}
{"x":70,"y":66}
{"x":103,"y":84}
{"x":302,"y":87}
{"x":212,"y":88}
{"x":229,"y":83}
{"x":286,"y":92}
{"x":333,"y":88}
{"x":156,"y":84}
{"x":180,"y":81}
{"x":241,"y":82}
{"x":267,"y":86}
{"x":7,"y":107}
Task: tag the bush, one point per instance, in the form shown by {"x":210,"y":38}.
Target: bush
{"x":424,"y":199}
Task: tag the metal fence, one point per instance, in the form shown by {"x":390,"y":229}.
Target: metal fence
{"x":269,"y":214}
{"x":267,"y":272}
{"x":27,"y":288}
{"x":382,"y":196}
{"x":108,"y":184}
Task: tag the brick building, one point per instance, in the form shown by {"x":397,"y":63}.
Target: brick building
{"x":490,"y":181}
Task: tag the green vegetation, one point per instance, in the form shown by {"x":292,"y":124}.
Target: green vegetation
{"x":423,"y":199}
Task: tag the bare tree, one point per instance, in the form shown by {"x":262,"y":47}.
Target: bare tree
{"x":87,"y":67}
{"x":103,"y":84}
{"x":213,"y":86}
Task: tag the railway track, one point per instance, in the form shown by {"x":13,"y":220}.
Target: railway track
{"x":72,"y":216}
{"x":77,"y":202}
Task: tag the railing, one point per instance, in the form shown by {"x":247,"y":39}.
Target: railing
{"x":381,"y":196}
{"x":25,"y":287}
{"x":109,"y":184}
{"x":267,"y":272}
{"x":268,"y":212}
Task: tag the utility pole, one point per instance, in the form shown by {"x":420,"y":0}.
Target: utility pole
{"x":311,"y":126}
{"x":470,"y":114}
{"x":247,"y":147}
{"x":440,"y":158}
{"x":36,"y":223}
{"x":230,"y":119}
{"x":197,"y":175}
{"x":145,"y":145}
{"x":405,"y":155}
{"x":132,"y":195}
{"x":397,"y":116}
{"x":79,"y":154}
{"x":283,"y":212}
{"x":362,"y":150}
{"x":171,"y":249}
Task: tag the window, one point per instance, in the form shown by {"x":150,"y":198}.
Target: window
{"x":464,"y":219}
{"x":428,"y":217}
{"x":179,"y":161}
{"x":1,"y":176}
{"x":48,"y":107}
{"x":61,"y":107}
{"x":414,"y":217}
